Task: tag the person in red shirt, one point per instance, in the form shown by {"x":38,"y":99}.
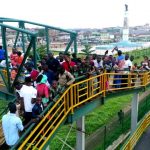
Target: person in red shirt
{"x":68,"y":64}
{"x":42,"y":89}
{"x":13,"y":56}
{"x":19,"y":59}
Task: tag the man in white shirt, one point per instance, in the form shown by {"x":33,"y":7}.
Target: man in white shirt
{"x":128,"y":64}
{"x":28,"y":96}
{"x":98,"y":62}
{"x":11,"y":124}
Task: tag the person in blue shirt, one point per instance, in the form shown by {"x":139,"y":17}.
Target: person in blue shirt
{"x":2,"y":53}
{"x":49,"y":73}
{"x":11,"y":125}
{"x":120,"y":55}
{"x":37,"y":108}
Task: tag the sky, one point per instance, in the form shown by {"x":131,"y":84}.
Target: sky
{"x":77,"y":13}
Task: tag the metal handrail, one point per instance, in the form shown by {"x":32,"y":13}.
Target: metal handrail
{"x":18,"y":29}
{"x":33,"y":23}
{"x":133,"y":139}
{"x":73,"y":98}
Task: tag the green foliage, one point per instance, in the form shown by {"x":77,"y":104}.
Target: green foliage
{"x":139,"y":54}
{"x":41,"y":32}
{"x":41,"y":50}
{"x":87,"y":50}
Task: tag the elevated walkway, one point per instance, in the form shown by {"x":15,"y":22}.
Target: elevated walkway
{"x":79,"y":99}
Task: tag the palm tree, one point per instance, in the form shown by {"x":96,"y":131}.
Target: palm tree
{"x":87,"y":50}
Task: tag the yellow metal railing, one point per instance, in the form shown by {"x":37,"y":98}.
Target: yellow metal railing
{"x":137,"y":134}
{"x":76,"y":95}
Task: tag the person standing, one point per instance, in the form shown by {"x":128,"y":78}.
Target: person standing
{"x":2,"y":53}
{"x":28,"y":96}
{"x":53,"y":63}
{"x":11,"y":124}
{"x":68,"y":64}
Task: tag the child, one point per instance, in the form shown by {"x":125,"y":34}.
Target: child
{"x":42,"y":89}
{"x":14,"y":73}
{"x":37,"y":108}
{"x":55,"y":89}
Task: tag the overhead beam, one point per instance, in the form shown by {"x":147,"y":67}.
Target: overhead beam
{"x":38,"y":24}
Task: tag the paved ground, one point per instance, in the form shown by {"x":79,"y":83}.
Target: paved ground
{"x":144,"y":142}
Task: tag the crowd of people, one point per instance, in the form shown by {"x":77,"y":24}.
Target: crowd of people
{"x":40,"y":86}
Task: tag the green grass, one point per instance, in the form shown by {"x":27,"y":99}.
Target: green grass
{"x":93,"y":121}
{"x":139,"y":54}
{"x":114,"y":134}
{"x":3,"y":105}
{"x":103,"y":114}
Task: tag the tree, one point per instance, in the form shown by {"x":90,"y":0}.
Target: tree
{"x":41,"y":32}
{"x":87,"y":50}
{"x":41,"y":50}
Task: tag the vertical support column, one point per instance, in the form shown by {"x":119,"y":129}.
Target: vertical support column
{"x":21,"y":25}
{"x":48,"y":147}
{"x":134,"y":111}
{"x":80,"y":140}
{"x":75,"y":44}
{"x":47,"y":39}
{"x":24,"y":59}
{"x":16,"y":39}
{"x":69,"y":45}
{"x":3,"y":30}
{"x":34,"y":52}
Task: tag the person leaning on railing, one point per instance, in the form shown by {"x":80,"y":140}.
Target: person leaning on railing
{"x":65,"y":77}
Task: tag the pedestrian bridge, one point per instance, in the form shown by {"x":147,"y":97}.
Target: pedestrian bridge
{"x":76,"y":101}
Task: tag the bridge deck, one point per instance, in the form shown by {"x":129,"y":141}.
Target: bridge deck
{"x":144,"y":142}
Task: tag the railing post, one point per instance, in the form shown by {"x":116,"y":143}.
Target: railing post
{"x":129,"y":79}
{"x":105,"y":80}
{"x":146,"y":78}
{"x":71,"y":93}
{"x":104,"y":86}
{"x":134,"y":111}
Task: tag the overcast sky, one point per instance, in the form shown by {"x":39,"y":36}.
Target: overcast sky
{"x":77,"y":13}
